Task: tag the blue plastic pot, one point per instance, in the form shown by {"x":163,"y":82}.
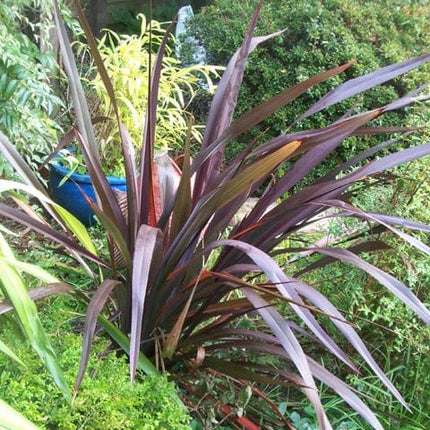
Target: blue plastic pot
{"x":70,"y":193}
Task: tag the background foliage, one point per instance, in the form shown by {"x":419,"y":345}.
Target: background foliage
{"x":318,"y":36}
{"x":27,"y":93}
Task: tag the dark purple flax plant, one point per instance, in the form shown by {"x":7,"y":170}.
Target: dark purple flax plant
{"x":181,"y":277}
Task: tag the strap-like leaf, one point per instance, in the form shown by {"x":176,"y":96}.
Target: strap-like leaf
{"x":143,"y":363}
{"x":14,"y":289}
{"x":39,"y":293}
{"x":394,"y":285}
{"x":147,"y":198}
{"x":85,"y":132}
{"x":363,"y":83}
{"x":94,"y":308}
{"x":12,"y":420}
{"x":293,"y":348}
{"x":205,"y":209}
{"x":48,"y":231}
{"x":143,"y":260}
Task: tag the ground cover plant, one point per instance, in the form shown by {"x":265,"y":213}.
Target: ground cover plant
{"x":151,"y":404}
{"x":181,"y":279}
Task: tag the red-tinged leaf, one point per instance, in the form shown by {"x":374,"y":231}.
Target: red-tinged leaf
{"x":293,"y":348}
{"x":171,"y":343}
{"x":242,"y":372}
{"x":323,"y":303}
{"x":105,"y":195}
{"x":318,"y":372}
{"x":206,"y":207}
{"x":344,"y":392}
{"x":183,"y":205}
{"x":85,"y":132}
{"x":389,"y":161}
{"x":355,"y":161}
{"x":332,"y":189}
{"x":369,"y":131}
{"x":169,"y":176}
{"x":48,"y":231}
{"x":323,"y":142}
{"x":24,"y":171}
{"x":26,"y":207}
{"x":94,"y":308}
{"x":394,"y":285}
{"x":147,"y":198}
{"x":203,"y":335}
{"x":401,"y":222}
{"x":143,"y":260}
{"x":83,"y":117}
{"x":92,"y":43}
{"x":261,"y":112}
{"x":133,"y":206}
{"x":252,"y":174}
{"x":363,"y":83}
{"x":224,"y":103}
{"x":380,"y":219}
{"x":369,"y":246}
{"x":324,"y":376}
{"x":21,"y":167}
{"x":268,"y":233}
{"x":39,"y":293}
{"x":112,"y":230}
{"x":286,"y":285}
{"x":63,"y":143}
{"x":126,"y":143}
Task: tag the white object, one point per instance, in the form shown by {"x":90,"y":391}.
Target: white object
{"x":199,"y":54}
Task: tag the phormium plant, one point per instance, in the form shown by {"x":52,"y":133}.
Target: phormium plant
{"x":181,"y":276}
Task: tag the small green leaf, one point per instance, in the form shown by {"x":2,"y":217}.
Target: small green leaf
{"x":10,"y":89}
{"x":244,"y":396}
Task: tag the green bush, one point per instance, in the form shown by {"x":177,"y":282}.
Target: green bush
{"x":318,"y":36}
{"x":106,"y":399}
{"x":27,"y":100}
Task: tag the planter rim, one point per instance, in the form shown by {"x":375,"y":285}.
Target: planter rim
{"x":85,"y":179}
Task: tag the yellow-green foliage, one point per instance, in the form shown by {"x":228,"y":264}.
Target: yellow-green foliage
{"x":127,"y":60}
{"x":106,"y":399}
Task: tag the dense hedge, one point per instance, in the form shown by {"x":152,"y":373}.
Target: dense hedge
{"x":319,"y":35}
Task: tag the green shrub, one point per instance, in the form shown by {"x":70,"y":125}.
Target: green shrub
{"x":27,"y":98}
{"x":106,"y":399}
{"x":318,"y":36}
